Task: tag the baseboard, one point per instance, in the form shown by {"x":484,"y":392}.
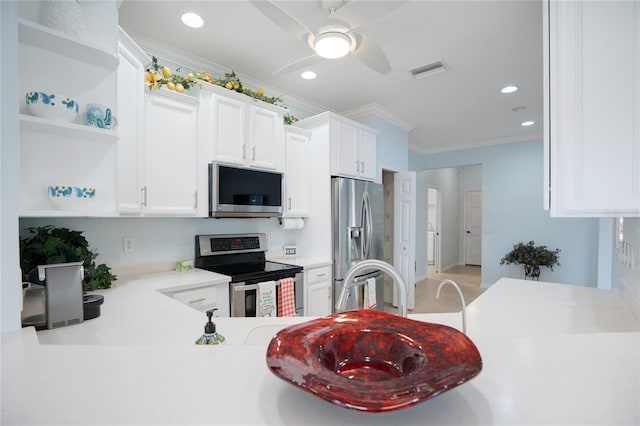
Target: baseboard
{"x":453,"y":265}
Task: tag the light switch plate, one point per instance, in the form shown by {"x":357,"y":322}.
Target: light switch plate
{"x":290,"y":251}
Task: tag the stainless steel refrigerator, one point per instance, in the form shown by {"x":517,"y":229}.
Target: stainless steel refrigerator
{"x":358,"y":233}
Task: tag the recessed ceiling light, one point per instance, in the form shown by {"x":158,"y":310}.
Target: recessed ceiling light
{"x":308,"y":75}
{"x":509,"y":89}
{"x":527,"y":123}
{"x":192,"y":20}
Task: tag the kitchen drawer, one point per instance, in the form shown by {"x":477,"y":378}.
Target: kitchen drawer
{"x":322,"y":273}
{"x":206,"y":297}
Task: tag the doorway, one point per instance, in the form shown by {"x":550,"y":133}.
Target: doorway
{"x":433,"y":229}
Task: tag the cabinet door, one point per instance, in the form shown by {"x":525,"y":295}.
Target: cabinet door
{"x":171,"y":145}
{"x":229,"y":130}
{"x":319,"y":299}
{"x":266,"y":138}
{"x":347,"y":157}
{"x":593,"y":121}
{"x":368,"y":167}
{"x":317,"y":291}
{"x":296,"y":175}
{"x":130,"y":115}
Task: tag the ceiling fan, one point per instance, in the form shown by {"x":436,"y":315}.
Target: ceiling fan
{"x":335,"y":38}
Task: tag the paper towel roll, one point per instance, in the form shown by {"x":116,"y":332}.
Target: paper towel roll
{"x":291,"y":223}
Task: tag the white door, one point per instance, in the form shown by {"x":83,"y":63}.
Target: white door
{"x":473,"y":228}
{"x":404,"y":232}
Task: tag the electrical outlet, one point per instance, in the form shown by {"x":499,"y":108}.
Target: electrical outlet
{"x":128,"y":244}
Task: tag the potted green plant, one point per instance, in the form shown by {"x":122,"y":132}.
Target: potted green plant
{"x":49,"y":245}
{"x":532,"y":257}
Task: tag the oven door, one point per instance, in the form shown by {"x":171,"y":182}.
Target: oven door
{"x":243,"y":296}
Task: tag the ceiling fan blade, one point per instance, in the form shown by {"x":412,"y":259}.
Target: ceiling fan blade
{"x":300,"y":63}
{"x":371,"y":55}
{"x":358,"y":13}
{"x":282,"y":18}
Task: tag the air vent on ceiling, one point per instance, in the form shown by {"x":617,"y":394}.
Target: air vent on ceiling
{"x":433,"y":68}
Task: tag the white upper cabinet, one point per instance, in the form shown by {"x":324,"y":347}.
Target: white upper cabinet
{"x":130,"y":114}
{"x":55,"y":57}
{"x":352,"y":145}
{"x":242,"y":131}
{"x":297,"y":174}
{"x":229,"y":130}
{"x":266,"y":138}
{"x":592,"y":108}
{"x":171,"y":155}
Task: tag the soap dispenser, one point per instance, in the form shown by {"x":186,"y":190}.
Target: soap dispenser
{"x":210,"y":337}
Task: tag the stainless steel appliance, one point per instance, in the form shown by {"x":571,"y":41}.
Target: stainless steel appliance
{"x":239,"y":192}
{"x":358,"y":232}
{"x":63,"y":293}
{"x":242,"y":257}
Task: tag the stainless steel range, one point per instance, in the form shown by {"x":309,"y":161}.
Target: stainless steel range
{"x":242,"y":257}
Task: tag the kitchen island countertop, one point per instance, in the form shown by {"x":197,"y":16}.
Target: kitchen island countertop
{"x":137,"y":364}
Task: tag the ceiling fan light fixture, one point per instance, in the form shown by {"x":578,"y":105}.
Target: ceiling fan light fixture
{"x":332,"y":45}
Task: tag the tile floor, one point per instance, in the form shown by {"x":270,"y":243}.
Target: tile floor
{"x":466,"y":276}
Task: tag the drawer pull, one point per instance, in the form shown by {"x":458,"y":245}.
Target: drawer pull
{"x":321,"y":275}
{"x":197,"y":300}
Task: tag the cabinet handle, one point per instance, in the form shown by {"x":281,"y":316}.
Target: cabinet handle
{"x":253,"y":153}
{"x":362,"y":167}
{"x":195,"y":200}
{"x":244,"y":151}
{"x":143,"y":190}
{"x":289,"y":203}
{"x":357,"y":166}
{"x":197,"y":300}
{"x":321,"y":275}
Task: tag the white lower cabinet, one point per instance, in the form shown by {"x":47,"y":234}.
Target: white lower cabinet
{"x":204,"y":297}
{"x":317,"y":291}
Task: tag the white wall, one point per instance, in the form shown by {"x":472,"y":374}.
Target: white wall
{"x":512,"y":212}
{"x":159,"y":242}
{"x":10,"y":289}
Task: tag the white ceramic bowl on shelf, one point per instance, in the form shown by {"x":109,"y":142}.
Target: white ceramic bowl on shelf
{"x":51,"y":105}
{"x":69,"y":197}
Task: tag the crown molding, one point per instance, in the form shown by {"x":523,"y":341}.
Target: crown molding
{"x":477,"y":144}
{"x":133,"y":47}
{"x":377,"y":110}
{"x":174,"y":54}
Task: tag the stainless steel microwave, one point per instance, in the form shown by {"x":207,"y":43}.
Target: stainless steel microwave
{"x":240,"y":192}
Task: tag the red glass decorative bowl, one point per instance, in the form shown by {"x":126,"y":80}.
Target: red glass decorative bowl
{"x":373,"y":361}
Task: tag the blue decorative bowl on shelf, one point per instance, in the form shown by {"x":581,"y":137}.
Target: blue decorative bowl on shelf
{"x":69,"y":197}
{"x":52,"y":106}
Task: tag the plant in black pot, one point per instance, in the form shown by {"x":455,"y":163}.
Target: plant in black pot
{"x":532,"y":257}
{"x":48,"y":245}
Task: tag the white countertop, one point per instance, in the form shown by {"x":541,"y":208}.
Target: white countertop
{"x":549,"y":356}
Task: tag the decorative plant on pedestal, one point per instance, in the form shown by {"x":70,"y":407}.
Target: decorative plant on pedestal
{"x":49,"y":245}
{"x":532,"y":257}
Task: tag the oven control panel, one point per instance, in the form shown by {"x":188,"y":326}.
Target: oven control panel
{"x":230,"y":244}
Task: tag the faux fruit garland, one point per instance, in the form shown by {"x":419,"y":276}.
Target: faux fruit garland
{"x":158,"y":75}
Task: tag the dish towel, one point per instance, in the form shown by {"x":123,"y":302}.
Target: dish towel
{"x":369,"y":299}
{"x":266,"y":299}
{"x":286,"y":298}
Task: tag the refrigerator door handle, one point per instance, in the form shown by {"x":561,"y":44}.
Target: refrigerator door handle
{"x":367,"y":226}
